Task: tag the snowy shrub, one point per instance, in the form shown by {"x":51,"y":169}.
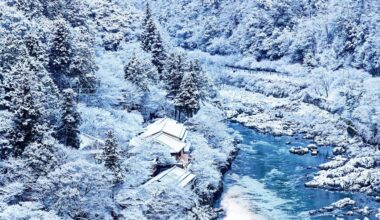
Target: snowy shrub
{"x":211,"y":145}
{"x":221,"y":46}
{"x":204,"y":166}
{"x":369,"y":56}
{"x":158,"y":201}
{"x":27,"y":210}
{"x":78,"y":189}
{"x":142,"y":161}
{"x":97,"y":121}
{"x":114,"y":23}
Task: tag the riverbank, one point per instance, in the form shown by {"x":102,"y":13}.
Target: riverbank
{"x":282,"y":105}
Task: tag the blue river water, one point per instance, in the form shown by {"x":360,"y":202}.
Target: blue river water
{"x":267,"y":182}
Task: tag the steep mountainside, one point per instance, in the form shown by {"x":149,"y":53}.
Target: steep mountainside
{"x":80,"y":78}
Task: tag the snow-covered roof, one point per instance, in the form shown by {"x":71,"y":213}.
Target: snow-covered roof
{"x":165,"y":131}
{"x":174,"y":175}
{"x":88,"y":141}
{"x":93,"y":152}
{"x":187,"y":148}
{"x":174,"y":144}
{"x":168,"y":126}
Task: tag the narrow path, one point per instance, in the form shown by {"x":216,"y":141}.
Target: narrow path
{"x":256,"y":70}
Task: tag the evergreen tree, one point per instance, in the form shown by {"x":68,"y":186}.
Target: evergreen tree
{"x":41,"y":156}
{"x":174,"y":71}
{"x":48,"y":97}
{"x":45,"y":91}
{"x":30,"y":95}
{"x":111,"y":156}
{"x":152,"y":42}
{"x":187,"y":100}
{"x":60,"y":54}
{"x":69,"y":131}
{"x":31,"y":8}
{"x":12,"y":50}
{"x":83,"y":65}
{"x":11,"y":90}
{"x":200,"y":78}
{"x":136,"y":74}
{"x":369,"y":55}
{"x":34,"y":48}
{"x":27,"y":126}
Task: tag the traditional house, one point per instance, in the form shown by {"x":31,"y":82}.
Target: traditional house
{"x":168,"y":133}
{"x":91,"y":146}
{"x":174,"y":175}
{"x":90,"y":142}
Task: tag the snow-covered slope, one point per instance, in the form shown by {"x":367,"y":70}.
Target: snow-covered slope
{"x":329,"y":33}
{"x":318,"y":104}
{"x":282,"y":67}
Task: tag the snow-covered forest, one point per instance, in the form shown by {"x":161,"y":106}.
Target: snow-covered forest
{"x":80,"y":79}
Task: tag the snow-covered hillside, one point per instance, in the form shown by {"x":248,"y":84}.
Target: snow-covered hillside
{"x":76,"y":161}
{"x":328,"y":33}
{"x":80,"y":78}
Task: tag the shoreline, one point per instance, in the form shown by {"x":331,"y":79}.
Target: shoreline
{"x":358,"y":195}
{"x":224,"y":170}
{"x":332,"y":145}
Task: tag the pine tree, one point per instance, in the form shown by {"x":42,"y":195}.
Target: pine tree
{"x":27,"y":126}
{"x":83,"y":65}
{"x":41,"y":156}
{"x":45,"y":91}
{"x":135,"y":73}
{"x":111,"y":156}
{"x":31,"y":8}
{"x":174,"y":71}
{"x":34,"y":48}
{"x":152,"y":42}
{"x":30,"y":95}
{"x":69,"y":131}
{"x":11,"y":90}
{"x":60,"y":54}
{"x":187,"y":100}
{"x":200,"y":78}
{"x":12,"y":51}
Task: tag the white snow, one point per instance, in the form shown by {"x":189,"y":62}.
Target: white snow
{"x":168,"y":126}
{"x":165,"y":131}
{"x":174,"y":175}
{"x":240,"y":202}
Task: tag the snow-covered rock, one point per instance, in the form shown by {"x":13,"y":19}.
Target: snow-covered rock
{"x":325,"y":119}
{"x":299,"y":150}
{"x":334,"y":207}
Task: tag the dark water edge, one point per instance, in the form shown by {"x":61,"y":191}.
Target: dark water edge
{"x":266,"y":179}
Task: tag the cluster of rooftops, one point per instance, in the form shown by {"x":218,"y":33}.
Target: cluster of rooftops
{"x":170,"y":134}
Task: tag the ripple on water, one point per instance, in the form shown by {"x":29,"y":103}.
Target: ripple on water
{"x":242,"y":203}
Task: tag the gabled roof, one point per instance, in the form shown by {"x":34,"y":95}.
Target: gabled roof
{"x":168,"y":126}
{"x":174,"y":175}
{"x":165,"y":131}
{"x":174,"y":144}
{"x":89,"y":142}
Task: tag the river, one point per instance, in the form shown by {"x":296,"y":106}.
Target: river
{"x":267,"y":182}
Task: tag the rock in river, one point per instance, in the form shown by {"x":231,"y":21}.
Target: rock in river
{"x":299,"y":150}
